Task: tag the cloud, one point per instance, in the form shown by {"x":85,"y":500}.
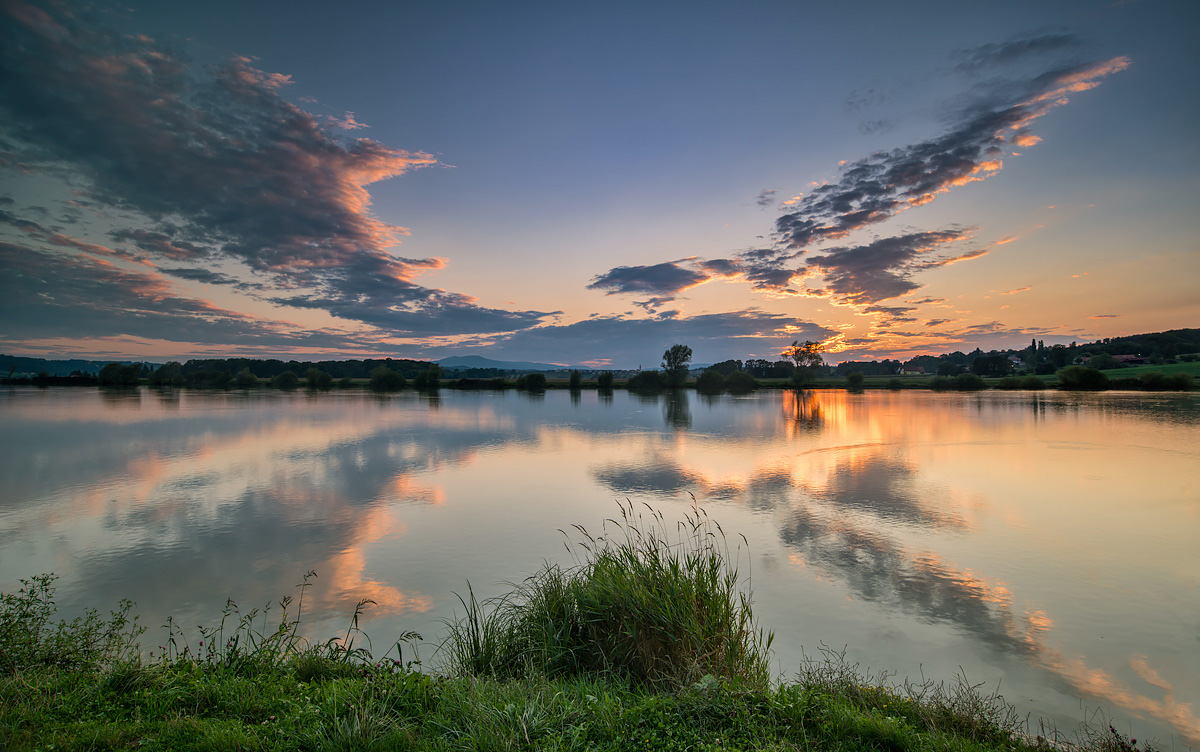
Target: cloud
{"x":215,"y":165}
{"x":667,"y":278}
{"x":995,"y":54}
{"x":43,"y":294}
{"x":1106,"y":316}
{"x":765,"y":197}
{"x":883,"y":269}
{"x":878,"y":187}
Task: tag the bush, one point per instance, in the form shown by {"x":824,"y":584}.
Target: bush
{"x":895,"y":384}
{"x":575,"y":383}
{"x":740,"y":382}
{"x":245,"y":379}
{"x":345,"y":382}
{"x":710,"y":382}
{"x":941,"y":383}
{"x":605,"y":380}
{"x":854,"y":379}
{"x":287,"y":381}
{"x":1010,"y":382}
{"x":318,"y":379}
{"x":968,"y":382}
{"x":1082,"y":378}
{"x":1156,"y":381}
{"x":648,"y":609}
{"x":532,"y":382}
{"x":384,"y":379}
{"x":29,"y":636}
{"x":1033,"y":383}
{"x":646,"y":381}
{"x":119,"y":374}
{"x":429,"y":379}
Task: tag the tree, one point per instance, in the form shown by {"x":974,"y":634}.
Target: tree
{"x":576,"y":381}
{"x":168,"y":374}
{"x":605,"y":381}
{"x":532,"y":382}
{"x":119,"y":374}
{"x":1102,"y":361}
{"x":245,"y":379}
{"x":991,"y":365}
{"x":675,"y":363}
{"x":854,"y":380}
{"x":806,"y":357}
{"x":1082,"y":378}
{"x":710,"y":382}
{"x":318,"y":379}
{"x":286,"y":381}
{"x":384,"y":379}
{"x":429,"y":379}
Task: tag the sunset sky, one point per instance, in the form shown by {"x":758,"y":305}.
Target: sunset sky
{"x":589,"y":183}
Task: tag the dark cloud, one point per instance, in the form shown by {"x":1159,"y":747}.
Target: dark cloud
{"x":214,"y":163}
{"x":937,"y":322}
{"x":209,"y":277}
{"x":667,"y":278}
{"x":880,"y":186}
{"x":765,"y":197}
{"x":882,"y":269}
{"x":43,"y":295}
{"x":1007,"y":53}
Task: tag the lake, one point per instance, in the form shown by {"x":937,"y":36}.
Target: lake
{"x":1046,"y":544}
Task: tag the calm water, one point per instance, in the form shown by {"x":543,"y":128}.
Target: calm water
{"x":1045,"y":543}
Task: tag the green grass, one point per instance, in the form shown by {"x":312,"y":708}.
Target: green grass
{"x":1192,"y":368}
{"x":648,"y":643}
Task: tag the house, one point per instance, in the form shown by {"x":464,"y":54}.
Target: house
{"x":912,"y":371}
{"x":1132,"y":360}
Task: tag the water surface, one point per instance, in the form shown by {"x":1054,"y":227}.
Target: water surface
{"x":1044,"y":543}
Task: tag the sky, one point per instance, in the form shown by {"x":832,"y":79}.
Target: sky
{"x":589,"y":183}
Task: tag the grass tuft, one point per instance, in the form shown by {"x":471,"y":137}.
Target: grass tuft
{"x":657,"y":607}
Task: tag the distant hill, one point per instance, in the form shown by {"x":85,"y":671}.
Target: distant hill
{"x":19,"y":365}
{"x":464,"y":362}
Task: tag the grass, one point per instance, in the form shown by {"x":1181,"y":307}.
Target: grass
{"x":647,"y":643}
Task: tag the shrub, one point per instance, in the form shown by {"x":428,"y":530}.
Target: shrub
{"x":1010,"y":382}
{"x":119,"y":374}
{"x":384,"y":379}
{"x":1082,"y":378}
{"x":895,"y":384}
{"x":710,"y":382}
{"x":1156,"y":381}
{"x":1033,"y":383}
{"x":429,"y":379}
{"x":345,"y":382}
{"x":318,"y":379}
{"x":29,"y":635}
{"x":532,"y":382}
{"x":646,"y":381}
{"x":941,"y":383}
{"x":854,"y":379}
{"x":740,"y":382}
{"x":643,"y":607}
{"x":245,"y":379}
{"x":968,"y":382}
{"x":605,"y":380}
{"x":575,"y":383}
{"x":287,"y":381}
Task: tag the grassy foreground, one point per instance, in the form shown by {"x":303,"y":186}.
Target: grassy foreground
{"x":646,"y":644}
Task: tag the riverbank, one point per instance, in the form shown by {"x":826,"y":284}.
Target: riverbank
{"x":648,"y":644}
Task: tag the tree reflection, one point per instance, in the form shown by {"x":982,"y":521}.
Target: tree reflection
{"x":676,"y":410}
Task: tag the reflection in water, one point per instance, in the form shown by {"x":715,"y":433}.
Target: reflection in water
{"x":676,"y":410}
{"x":977,"y":518}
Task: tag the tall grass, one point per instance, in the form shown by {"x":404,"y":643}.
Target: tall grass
{"x":645,"y":603}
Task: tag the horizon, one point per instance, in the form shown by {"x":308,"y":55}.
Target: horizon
{"x":593,"y":184}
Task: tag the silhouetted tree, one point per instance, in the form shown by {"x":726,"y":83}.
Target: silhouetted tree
{"x":675,"y":364}
{"x":429,"y":379}
{"x":245,"y":379}
{"x":605,"y":381}
{"x":532,"y":382}
{"x":576,"y":381}
{"x":807,"y":359}
{"x":318,"y":379}
{"x":710,"y":382}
